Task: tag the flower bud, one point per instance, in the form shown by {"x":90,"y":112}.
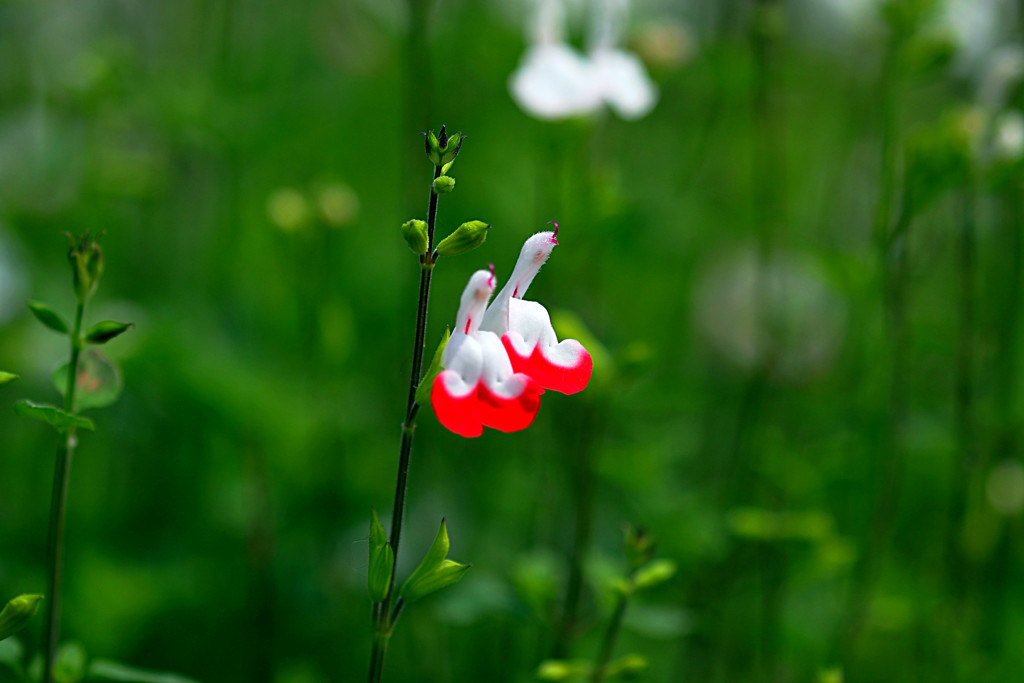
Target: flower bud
{"x":443,"y":184}
{"x":435,"y":571}
{"x":17,"y":613}
{"x":466,"y":237}
{"x":441,"y":149}
{"x":639,"y":546}
{"x":86,"y":259}
{"x":415,"y":234}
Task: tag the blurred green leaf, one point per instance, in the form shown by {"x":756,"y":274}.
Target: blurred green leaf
{"x":99,"y":380}
{"x":52,"y":415}
{"x":49,"y":317}
{"x":562,"y":669}
{"x":628,"y":668}
{"x":108,"y":670}
{"x":6,"y":377}
{"x":653,"y":573}
{"x":69,"y":666}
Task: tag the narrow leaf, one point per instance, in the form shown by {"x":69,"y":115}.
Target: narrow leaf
{"x":427,"y":383}
{"x":52,"y":415}
{"x":6,"y":377}
{"x":101,"y":333}
{"x":48,"y":317}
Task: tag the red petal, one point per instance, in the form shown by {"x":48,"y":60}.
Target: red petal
{"x":566,"y":380}
{"x":460,"y":414}
{"x":509,"y":414}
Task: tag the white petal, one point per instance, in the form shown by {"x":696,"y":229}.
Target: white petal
{"x":553,"y":82}
{"x":624,"y":83}
{"x":474,"y":302}
{"x":532,"y":256}
{"x":497,"y":369}
{"x":464,"y":357}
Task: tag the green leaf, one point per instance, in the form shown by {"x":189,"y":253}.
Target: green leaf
{"x":108,"y":670}
{"x":427,"y":383}
{"x":562,"y":669}
{"x":382,"y":561}
{"x":441,"y":576}
{"x":69,"y":666}
{"x":52,"y":415}
{"x":653,"y":573}
{"x":101,"y":333}
{"x":435,"y":572}
{"x":99,"y":381}
{"x":48,"y":317}
{"x":628,"y":668}
{"x":17,"y":613}
{"x":6,"y":377}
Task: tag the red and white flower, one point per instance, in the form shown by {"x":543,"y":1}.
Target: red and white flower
{"x":525,"y":326}
{"x":478,"y":387}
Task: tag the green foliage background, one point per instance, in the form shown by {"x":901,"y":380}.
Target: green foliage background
{"x":218,"y":516}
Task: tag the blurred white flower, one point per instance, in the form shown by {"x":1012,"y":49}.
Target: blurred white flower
{"x":1008,"y":136}
{"x":775,"y":313}
{"x":554,"y":81}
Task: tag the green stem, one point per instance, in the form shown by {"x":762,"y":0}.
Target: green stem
{"x":58,"y":507}
{"x":608,"y":642}
{"x":383,"y":617}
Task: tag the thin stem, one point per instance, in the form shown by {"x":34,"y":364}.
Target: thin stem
{"x":608,"y":642}
{"x":58,"y":507}
{"x":383,"y":617}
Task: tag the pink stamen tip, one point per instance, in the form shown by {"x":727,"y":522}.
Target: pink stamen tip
{"x":490,"y":282}
{"x":554,"y":237}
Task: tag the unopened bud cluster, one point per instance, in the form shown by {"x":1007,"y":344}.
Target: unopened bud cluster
{"x":442,"y":150}
{"x":86,"y":259}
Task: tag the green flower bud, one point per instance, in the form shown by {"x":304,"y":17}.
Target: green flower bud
{"x":17,"y":613}
{"x":466,"y":237}
{"x":639,"y":546}
{"x":415,"y":234}
{"x":86,"y":259}
{"x":435,"y":571}
{"x":443,"y":184}
{"x":441,"y":149}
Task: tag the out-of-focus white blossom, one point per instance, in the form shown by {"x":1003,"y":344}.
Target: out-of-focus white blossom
{"x":775,"y":313}
{"x":1008,"y":136}
{"x":554,"y":81}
